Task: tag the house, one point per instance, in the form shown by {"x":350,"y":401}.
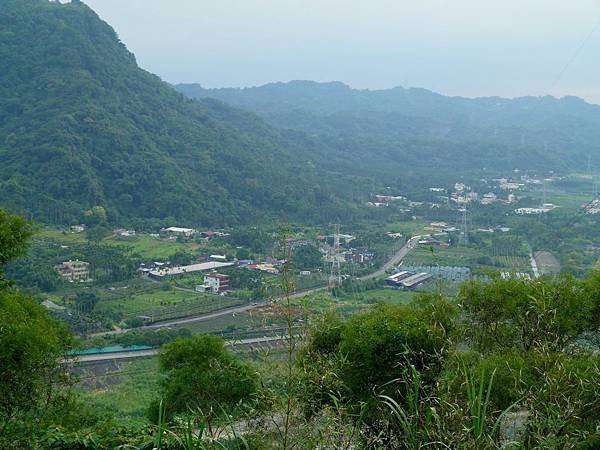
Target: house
{"x":216,"y":283}
{"x":77,"y":228}
{"x":178,"y":231}
{"x":508,"y":185}
{"x":124,"y":233}
{"x":145,"y":268}
{"x":388,"y":198}
{"x":437,"y":226}
{"x":472,"y":196}
{"x":593,"y":207}
{"x":264,"y":267}
{"x":74,"y":270}
{"x":434,"y":242}
{"x":211,"y":234}
{"x":359,"y":256}
{"x":221,"y":258}
{"x":377,"y":204}
{"x":296,"y":243}
{"x":546,"y":207}
{"x":489,"y":198}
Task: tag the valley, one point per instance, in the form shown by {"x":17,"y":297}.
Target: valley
{"x":291,"y":265}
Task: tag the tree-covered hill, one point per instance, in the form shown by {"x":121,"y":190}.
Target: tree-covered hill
{"x":429,"y":132}
{"x":81,"y":125}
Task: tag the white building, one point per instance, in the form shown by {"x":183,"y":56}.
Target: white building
{"x":74,"y":270}
{"x":546,"y":207}
{"x":180,"y":231}
{"x":183,"y":270}
{"x":215,"y":282}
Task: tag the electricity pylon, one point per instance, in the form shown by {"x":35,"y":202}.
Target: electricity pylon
{"x":335,"y":275}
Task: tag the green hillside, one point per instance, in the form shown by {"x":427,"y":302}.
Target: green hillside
{"x":81,"y":125}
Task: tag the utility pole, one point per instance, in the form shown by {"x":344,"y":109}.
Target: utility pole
{"x":335,"y":275}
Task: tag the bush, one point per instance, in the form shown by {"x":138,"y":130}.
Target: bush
{"x":202,"y":375}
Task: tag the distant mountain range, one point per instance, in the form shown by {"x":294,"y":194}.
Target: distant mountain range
{"x":425,"y":130}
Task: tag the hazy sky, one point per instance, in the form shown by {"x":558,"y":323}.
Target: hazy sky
{"x":457,"y":47}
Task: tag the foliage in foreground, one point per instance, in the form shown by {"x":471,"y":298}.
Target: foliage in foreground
{"x":202,"y":376}
{"x":512,"y":373}
{"x":509,"y":364}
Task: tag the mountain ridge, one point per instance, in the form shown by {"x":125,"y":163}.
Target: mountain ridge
{"x":81,"y":125}
{"x":538,"y":133}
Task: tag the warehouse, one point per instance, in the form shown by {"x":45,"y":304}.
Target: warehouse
{"x":407,"y":280}
{"x":183,"y":270}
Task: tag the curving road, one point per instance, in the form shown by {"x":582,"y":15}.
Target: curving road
{"x":396,"y":258}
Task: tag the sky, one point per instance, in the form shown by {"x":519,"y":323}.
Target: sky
{"x":470,"y":48}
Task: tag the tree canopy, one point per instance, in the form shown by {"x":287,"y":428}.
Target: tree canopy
{"x":202,"y":375}
{"x":85,"y":134}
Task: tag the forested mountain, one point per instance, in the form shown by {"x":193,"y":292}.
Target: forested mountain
{"x":81,"y":125}
{"x":428,"y":131}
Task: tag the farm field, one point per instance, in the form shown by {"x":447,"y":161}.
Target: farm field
{"x":149,"y":247}
{"x":451,"y":256}
{"x":64,"y":237}
{"x":158,"y":301}
{"x":383,"y":295}
{"x":518,"y":263}
{"x":227,"y":323}
{"x":565,"y":200}
{"x":145,"y":246}
{"x":547,"y":263}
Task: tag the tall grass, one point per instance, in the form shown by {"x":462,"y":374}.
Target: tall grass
{"x":478,"y":397}
{"x":192,"y":434}
{"x":421,"y":420}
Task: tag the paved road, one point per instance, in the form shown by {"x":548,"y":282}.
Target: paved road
{"x":154,"y":351}
{"x":184,"y":320}
{"x":204,"y":317}
{"x":396,"y":258}
{"x":392,"y":262}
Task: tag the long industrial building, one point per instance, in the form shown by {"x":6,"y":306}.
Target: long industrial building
{"x":182,"y":270}
{"x":394,"y":280}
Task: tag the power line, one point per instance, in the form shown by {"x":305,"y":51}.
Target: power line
{"x":574,"y":56}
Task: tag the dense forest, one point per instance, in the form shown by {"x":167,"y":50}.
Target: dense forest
{"x":81,"y":125}
{"x":386,"y":130}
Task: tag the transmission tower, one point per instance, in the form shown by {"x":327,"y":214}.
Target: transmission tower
{"x":335,"y":275}
{"x":465,"y":227}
